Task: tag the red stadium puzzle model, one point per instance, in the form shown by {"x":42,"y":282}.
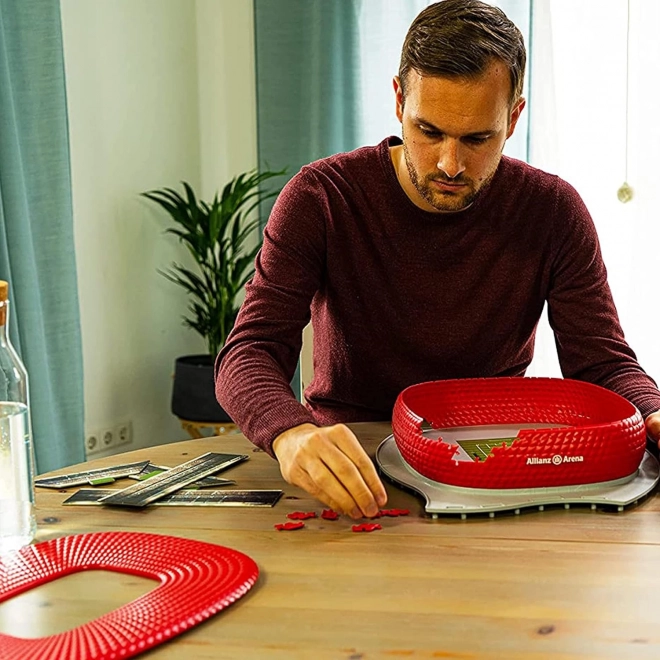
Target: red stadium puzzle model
{"x":494,"y":444}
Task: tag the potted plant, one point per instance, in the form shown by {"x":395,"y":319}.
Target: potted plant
{"x":220,"y":237}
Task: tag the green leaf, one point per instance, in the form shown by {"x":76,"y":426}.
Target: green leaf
{"x":216,"y":235}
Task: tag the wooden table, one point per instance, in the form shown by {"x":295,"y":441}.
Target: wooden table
{"x":540,"y":586}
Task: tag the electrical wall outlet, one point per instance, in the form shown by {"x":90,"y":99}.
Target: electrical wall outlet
{"x":108,"y":439}
{"x":92,"y":445}
{"x":124,"y":433}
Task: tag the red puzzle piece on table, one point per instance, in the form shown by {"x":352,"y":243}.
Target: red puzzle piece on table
{"x":329,"y":514}
{"x":393,"y":513}
{"x":366,"y":527}
{"x":289,"y":527}
{"x":301,"y":515}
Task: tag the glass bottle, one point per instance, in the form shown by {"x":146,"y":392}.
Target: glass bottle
{"x":17,"y":519}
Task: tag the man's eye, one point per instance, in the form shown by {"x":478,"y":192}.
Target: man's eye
{"x":429,"y":132}
{"x":476,"y":140}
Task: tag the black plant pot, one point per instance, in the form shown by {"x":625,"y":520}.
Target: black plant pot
{"x":193,"y":392}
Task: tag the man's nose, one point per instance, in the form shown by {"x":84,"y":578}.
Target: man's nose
{"x":450,"y":160}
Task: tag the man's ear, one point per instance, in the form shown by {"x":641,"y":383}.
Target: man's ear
{"x":515,"y":115}
{"x":398,"y":95}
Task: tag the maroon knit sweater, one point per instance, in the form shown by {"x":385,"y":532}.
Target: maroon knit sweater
{"x":399,"y":295}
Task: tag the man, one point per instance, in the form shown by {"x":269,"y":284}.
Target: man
{"x":419,"y":259}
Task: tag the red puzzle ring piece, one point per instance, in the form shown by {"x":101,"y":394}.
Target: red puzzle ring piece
{"x":600,"y":436}
{"x":197,"y":580}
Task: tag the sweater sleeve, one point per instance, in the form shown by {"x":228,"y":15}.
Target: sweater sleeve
{"x":590,"y":341}
{"x":254,"y":369}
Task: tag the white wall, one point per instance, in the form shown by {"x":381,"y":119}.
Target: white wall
{"x":227,"y":96}
{"x":159,"y":91}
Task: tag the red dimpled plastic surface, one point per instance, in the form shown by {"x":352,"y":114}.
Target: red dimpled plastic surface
{"x":600,"y":436}
{"x":197,"y":580}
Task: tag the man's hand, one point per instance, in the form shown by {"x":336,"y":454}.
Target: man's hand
{"x":653,"y":425}
{"x":330,"y":464}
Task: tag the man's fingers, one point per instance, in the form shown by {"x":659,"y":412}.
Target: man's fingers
{"x":653,"y":425}
{"x":325,"y":487}
{"x":330,"y":464}
{"x":348,"y":474}
{"x":331,"y":488}
{"x":349,"y":444}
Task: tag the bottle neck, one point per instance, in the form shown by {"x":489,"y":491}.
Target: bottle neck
{"x":4,"y":320}
{"x":13,"y":379}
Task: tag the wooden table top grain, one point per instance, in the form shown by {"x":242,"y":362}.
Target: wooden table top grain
{"x":552,"y":585}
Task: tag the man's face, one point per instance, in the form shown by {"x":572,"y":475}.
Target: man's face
{"x":454,"y":130}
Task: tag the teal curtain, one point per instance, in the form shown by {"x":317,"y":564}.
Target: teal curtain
{"x":306,"y":54}
{"x":36,"y":226}
{"x":307,"y":90}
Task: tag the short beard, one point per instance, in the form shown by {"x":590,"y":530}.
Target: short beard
{"x":444,"y":202}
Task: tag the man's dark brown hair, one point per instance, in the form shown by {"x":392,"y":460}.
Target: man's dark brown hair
{"x":461,"y":38}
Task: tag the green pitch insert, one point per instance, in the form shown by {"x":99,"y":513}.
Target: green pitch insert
{"x":479,"y":449}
